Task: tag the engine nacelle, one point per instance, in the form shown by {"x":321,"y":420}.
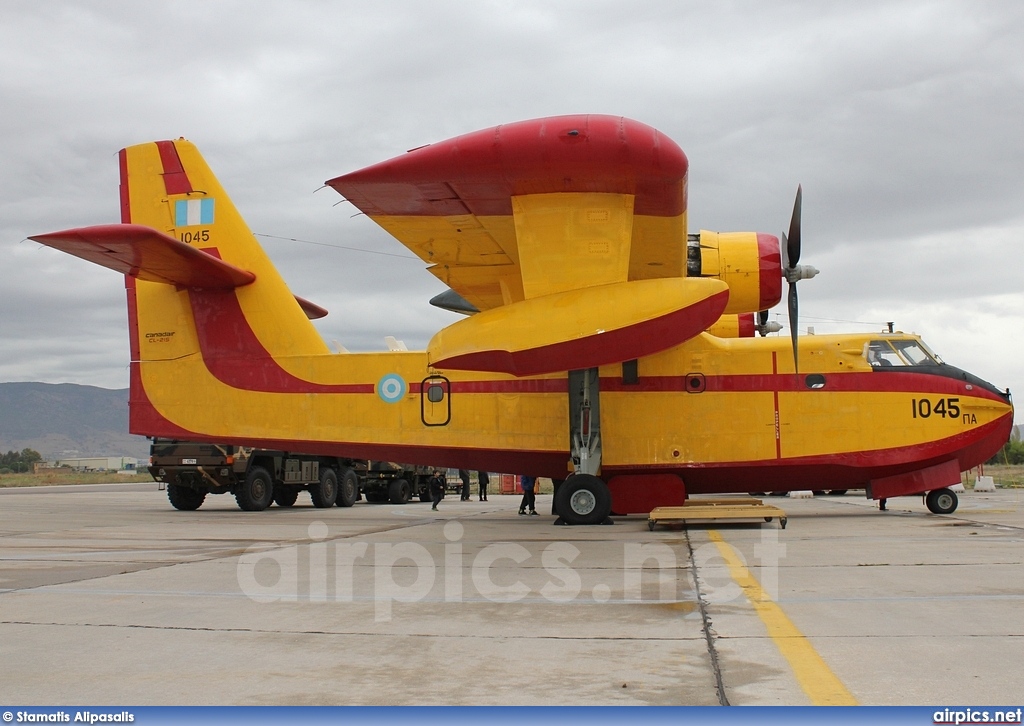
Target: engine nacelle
{"x":748,"y":262}
{"x":742,"y":325}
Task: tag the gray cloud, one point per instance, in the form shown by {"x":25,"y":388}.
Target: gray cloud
{"x":901,"y":120}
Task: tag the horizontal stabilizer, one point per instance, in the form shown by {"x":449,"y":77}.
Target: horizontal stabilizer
{"x":311,"y":309}
{"x":147,"y":254}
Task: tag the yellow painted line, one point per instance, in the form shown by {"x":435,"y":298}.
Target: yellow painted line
{"x":820,"y":684}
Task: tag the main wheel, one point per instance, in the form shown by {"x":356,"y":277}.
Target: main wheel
{"x":399,"y":491}
{"x":184,"y":498}
{"x":942,"y":501}
{"x":256,"y":492}
{"x":348,"y":488}
{"x":583,"y":499}
{"x":285,"y":496}
{"x":325,"y":492}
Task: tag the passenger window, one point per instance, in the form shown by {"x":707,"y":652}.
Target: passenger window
{"x":815,"y":381}
{"x":435,"y":393}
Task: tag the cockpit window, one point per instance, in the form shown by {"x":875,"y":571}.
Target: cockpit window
{"x":888,"y":353}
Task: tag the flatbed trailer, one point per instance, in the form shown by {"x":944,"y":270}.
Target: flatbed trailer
{"x":715,"y":509}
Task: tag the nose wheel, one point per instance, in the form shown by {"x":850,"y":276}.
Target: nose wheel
{"x":941,"y":501}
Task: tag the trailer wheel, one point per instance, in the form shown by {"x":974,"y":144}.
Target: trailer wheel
{"x":942,"y":501}
{"x":256,"y":492}
{"x":583,"y":499}
{"x":185,"y":499}
{"x":285,"y":496}
{"x":399,"y":491}
{"x":325,"y":492}
{"x":348,"y":488}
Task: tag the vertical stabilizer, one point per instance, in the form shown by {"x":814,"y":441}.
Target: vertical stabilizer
{"x":248,"y":337}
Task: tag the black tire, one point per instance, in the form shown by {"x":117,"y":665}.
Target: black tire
{"x":256,"y":492}
{"x":184,"y":498}
{"x":425,"y":494}
{"x":942,"y":501}
{"x":348,"y":488}
{"x":376,"y":497}
{"x":285,"y":496}
{"x":837,"y":492}
{"x":583,"y":499}
{"x":325,"y":492}
{"x":399,"y":491}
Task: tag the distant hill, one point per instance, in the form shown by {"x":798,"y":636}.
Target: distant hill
{"x":65,"y":419}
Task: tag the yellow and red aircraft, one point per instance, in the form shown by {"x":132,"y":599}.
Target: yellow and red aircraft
{"x":583,"y":356}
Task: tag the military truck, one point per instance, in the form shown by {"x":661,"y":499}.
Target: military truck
{"x":259,"y":477}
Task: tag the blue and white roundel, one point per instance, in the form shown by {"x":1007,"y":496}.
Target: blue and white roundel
{"x":391,"y":388}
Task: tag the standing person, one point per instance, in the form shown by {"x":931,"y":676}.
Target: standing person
{"x":464,"y":475}
{"x":529,"y":498}
{"x":436,"y":485}
{"x":481,"y":477}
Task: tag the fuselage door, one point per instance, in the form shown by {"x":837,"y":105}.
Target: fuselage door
{"x":435,"y":401}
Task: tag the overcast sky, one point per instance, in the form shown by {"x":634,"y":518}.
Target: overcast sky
{"x":904,"y":121}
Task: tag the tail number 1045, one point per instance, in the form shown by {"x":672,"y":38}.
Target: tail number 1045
{"x":945,"y":407}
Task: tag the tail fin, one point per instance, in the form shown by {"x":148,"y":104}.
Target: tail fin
{"x":201,"y":290}
{"x":167,"y":185}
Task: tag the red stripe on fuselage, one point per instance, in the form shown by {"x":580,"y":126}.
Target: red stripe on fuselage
{"x":837,"y":470}
{"x":236,"y":357}
{"x":175,"y":179}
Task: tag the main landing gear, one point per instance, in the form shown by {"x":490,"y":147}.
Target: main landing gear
{"x":583,"y":498}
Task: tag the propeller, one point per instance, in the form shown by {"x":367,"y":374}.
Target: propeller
{"x":764,"y":327}
{"x":793,"y":271}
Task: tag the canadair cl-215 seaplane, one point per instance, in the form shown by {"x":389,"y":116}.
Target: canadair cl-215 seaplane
{"x":584,"y":355}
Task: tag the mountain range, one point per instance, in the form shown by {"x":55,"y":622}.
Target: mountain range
{"x":63,"y":420}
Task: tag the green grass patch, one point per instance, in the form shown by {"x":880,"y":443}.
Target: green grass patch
{"x":51,"y":477}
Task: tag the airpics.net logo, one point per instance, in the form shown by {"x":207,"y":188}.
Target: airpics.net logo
{"x":453,"y":571}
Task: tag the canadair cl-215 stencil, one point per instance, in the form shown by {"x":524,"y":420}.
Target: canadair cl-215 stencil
{"x":584,"y":355}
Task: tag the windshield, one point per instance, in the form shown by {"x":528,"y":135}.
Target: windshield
{"x":889,"y":353}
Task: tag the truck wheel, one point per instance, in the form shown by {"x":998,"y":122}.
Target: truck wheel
{"x":325,"y":492}
{"x":425,"y":493}
{"x":348,"y":488}
{"x":285,"y":496}
{"x":942,"y":501}
{"x":399,"y":491}
{"x":583,"y":499}
{"x":185,"y":498}
{"x":256,"y":492}
{"x":376,"y":497}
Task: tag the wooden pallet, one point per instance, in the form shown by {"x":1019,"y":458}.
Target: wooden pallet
{"x":714,"y":509}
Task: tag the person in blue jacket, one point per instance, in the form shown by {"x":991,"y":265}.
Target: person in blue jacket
{"x":528,"y":483}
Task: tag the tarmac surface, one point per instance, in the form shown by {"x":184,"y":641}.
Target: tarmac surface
{"x":108,"y":596}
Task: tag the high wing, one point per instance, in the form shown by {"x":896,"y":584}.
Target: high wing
{"x":551,"y":235}
{"x":536,"y":207}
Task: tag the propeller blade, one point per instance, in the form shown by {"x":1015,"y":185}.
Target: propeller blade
{"x":762,"y":322}
{"x":793,"y":242}
{"x":793,"y":315}
{"x":784,"y":251}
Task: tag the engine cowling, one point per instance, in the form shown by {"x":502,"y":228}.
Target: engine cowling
{"x":742,"y":325}
{"x":748,"y":262}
